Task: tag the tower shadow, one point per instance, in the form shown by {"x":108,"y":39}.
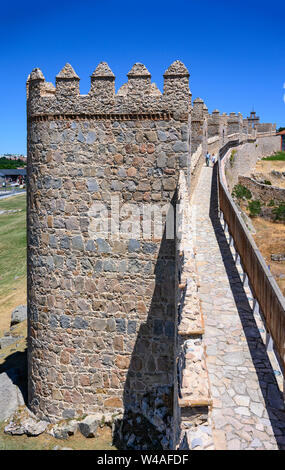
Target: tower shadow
{"x":148,"y":390}
{"x":16,"y":368}
{"x":265,"y":373}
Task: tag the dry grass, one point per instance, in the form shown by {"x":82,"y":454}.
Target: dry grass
{"x":265,"y":167}
{"x":270,"y":238}
{"x":12,"y":258}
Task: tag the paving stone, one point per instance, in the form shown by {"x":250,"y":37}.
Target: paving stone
{"x":242,"y":400}
{"x":239,"y":412}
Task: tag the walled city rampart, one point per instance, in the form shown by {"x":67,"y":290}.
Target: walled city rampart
{"x":242,"y":160}
{"x":264,"y":192}
{"x":112,"y":306}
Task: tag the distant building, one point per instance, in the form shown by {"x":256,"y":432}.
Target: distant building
{"x":282,"y":146}
{"x":13,"y":175}
{"x":253,"y":119}
{"x":14,"y":156}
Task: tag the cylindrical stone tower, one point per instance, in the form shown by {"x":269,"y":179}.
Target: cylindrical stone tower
{"x":101,"y":306}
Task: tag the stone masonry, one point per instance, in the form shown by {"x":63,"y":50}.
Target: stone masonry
{"x":199,"y":126}
{"x":101,"y":311}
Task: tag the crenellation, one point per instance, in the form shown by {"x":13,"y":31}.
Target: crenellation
{"x":35,"y":84}
{"x":234,"y":123}
{"x":103,"y":83}
{"x":176,"y":86}
{"x":206,"y":111}
{"x":214,"y":124}
{"x":199,"y":127}
{"x":139,"y":80}
{"x":67,"y":83}
{"x":138,"y":95}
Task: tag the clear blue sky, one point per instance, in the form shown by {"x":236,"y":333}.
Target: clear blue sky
{"x":233,"y":50}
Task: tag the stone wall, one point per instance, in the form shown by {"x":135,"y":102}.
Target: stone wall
{"x":242,"y":160}
{"x":192,"y":392}
{"x":101,"y":310}
{"x":264,"y":192}
{"x":234,"y":123}
{"x":199,"y":132}
{"x":214,"y":124}
{"x":265,"y":127}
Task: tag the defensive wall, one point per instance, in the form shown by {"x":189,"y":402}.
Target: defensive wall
{"x":242,"y":159}
{"x":264,"y":192}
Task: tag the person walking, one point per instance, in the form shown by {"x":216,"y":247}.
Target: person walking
{"x":213,"y":159}
{"x":208,"y":158}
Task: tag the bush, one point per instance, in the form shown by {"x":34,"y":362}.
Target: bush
{"x":254,"y":208}
{"x":267,"y":182}
{"x":241,"y":192}
{"x":271,"y":203}
{"x":279,"y":212}
{"x":232,"y":157}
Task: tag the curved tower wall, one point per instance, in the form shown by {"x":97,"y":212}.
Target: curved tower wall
{"x":101,"y":310}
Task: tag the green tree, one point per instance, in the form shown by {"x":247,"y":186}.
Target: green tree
{"x":7,"y":164}
{"x":241,"y":192}
{"x":279,"y":212}
{"x":254,"y":208}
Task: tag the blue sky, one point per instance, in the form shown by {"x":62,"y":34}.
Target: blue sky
{"x":233,"y":50}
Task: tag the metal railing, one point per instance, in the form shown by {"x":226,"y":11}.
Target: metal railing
{"x":262,"y":283}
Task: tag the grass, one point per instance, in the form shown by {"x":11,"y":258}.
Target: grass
{"x":13,"y":293}
{"x":279,"y":156}
{"x":12,"y":257}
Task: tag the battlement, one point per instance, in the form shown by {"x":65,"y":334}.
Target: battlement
{"x":200,"y":110}
{"x":138,"y":95}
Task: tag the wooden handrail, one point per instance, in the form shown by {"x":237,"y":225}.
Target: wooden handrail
{"x":263,"y":284}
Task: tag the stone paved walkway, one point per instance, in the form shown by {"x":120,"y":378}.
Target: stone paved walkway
{"x":248,"y":410}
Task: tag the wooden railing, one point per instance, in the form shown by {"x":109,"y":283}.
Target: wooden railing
{"x":263,"y":285}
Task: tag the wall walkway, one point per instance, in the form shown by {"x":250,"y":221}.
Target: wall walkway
{"x":248,"y":410}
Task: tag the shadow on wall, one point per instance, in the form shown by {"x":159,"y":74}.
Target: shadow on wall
{"x":148,"y":392}
{"x":267,"y":381}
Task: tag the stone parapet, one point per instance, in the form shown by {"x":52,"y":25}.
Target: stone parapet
{"x":234,"y":123}
{"x":139,"y":95}
{"x":193,"y":389}
{"x":264,"y":192}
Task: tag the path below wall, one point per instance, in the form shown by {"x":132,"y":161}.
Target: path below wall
{"x":248,"y":410}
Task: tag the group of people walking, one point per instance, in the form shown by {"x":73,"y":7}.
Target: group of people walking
{"x":210,"y":158}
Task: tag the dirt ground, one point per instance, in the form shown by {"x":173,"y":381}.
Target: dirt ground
{"x":13,"y":291}
{"x":265,"y":167}
{"x":46,"y":442}
{"x":18,"y":296}
{"x":15,"y":356}
{"x":270,"y":239}
{"x":270,"y":236}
